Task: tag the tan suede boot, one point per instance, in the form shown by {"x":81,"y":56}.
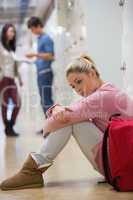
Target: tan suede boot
{"x":30,"y":176}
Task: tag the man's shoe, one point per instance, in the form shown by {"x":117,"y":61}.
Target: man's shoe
{"x":40,"y":131}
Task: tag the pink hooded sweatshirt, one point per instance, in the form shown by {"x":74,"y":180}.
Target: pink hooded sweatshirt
{"x":97,"y":107}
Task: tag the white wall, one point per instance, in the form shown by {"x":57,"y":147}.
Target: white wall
{"x":100,"y":25}
{"x":104,"y":30}
{"x":128,"y":45}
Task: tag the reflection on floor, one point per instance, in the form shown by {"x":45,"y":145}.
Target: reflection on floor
{"x":71,"y":176}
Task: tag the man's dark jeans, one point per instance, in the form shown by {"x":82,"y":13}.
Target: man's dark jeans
{"x":45,"y":81}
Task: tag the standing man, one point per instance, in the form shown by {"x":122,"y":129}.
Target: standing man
{"x":44,"y":58}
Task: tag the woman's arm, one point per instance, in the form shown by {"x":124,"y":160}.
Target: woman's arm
{"x":80,"y":111}
{"x":44,"y":56}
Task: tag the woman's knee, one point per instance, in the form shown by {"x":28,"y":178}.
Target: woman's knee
{"x":83,"y":127}
{"x":86,"y":132}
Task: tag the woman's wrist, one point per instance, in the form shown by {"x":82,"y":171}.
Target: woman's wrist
{"x":50,"y":110}
{"x":56,"y":107}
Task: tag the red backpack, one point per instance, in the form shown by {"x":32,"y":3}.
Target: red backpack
{"x":117,"y":154}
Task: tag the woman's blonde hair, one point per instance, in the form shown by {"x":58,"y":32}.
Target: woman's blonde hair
{"x":82,"y":64}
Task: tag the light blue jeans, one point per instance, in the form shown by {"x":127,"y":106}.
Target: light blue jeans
{"x":86,"y":134}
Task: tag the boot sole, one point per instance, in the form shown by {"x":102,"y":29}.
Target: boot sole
{"x":24,"y":187}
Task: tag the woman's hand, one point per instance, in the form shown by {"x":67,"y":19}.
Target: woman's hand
{"x":58,"y":113}
{"x":30,"y":55}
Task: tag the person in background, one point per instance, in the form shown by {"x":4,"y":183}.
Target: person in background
{"x":9,"y":70}
{"x":44,"y":58}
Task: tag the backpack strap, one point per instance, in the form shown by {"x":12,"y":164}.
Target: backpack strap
{"x":114,"y":115}
{"x":105,"y":156}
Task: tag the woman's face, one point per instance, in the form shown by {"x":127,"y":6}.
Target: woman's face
{"x":82,"y":83}
{"x":10,"y":34}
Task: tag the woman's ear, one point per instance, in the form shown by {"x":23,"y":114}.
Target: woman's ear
{"x":92,"y":73}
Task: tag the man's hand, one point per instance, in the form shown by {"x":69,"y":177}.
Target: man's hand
{"x":58,"y":113}
{"x":30,"y":55}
